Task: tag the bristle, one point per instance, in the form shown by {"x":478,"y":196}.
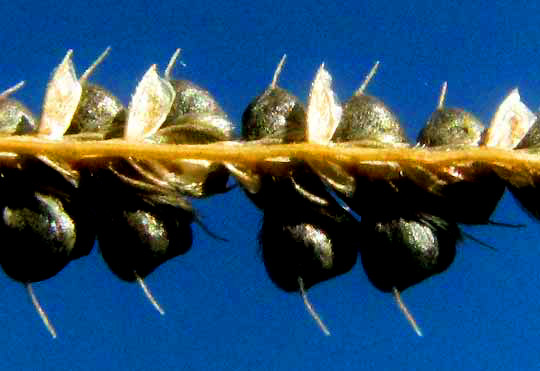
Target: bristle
{"x":406,"y":312}
{"x":442,"y":96}
{"x":277,"y":72}
{"x":310,"y":308}
{"x":149,"y":294}
{"x":171,"y":64}
{"x":6,"y":93}
{"x":94,"y":65}
{"x":40,"y":310}
{"x":367,"y":79}
{"x":505,"y":225}
{"x":478,"y":241}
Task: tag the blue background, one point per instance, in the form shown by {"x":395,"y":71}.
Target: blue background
{"x":222,"y":310}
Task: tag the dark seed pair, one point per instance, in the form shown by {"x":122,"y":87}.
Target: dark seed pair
{"x":409,"y":223}
{"x":43,"y":219}
{"x":306,"y":237}
{"x":143,"y":215}
{"x":407,"y":237}
{"x":402,"y":244}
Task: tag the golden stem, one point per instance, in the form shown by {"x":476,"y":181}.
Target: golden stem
{"x":245,"y":153}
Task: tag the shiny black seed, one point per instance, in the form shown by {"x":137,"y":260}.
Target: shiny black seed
{"x":191,"y":98}
{"x":451,"y":126}
{"x":137,"y":230}
{"x":45,"y":226}
{"x":275,"y":114}
{"x":98,"y":112}
{"x":137,"y":237}
{"x":368,"y":118}
{"x":402,"y":252}
{"x":15,"y":118}
{"x":313,"y":243}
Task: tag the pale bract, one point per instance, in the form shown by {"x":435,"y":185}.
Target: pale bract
{"x":149,"y":106}
{"x":323,"y":118}
{"x":510,"y":124}
{"x":61,"y":100}
{"x":324,"y":111}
